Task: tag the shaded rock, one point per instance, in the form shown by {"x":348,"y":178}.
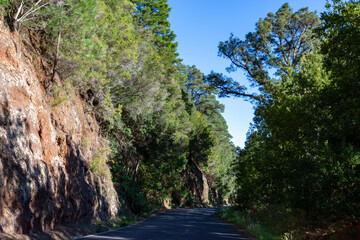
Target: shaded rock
{"x":45,"y":150}
{"x":197,"y":184}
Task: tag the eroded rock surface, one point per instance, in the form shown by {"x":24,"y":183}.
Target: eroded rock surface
{"x":45,"y":150}
{"x":197,"y":183}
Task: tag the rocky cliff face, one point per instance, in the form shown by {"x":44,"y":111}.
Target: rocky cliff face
{"x":46,"y":148}
{"x":201,"y":187}
{"x":197,"y":184}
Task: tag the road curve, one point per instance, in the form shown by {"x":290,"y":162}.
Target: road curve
{"x":181,"y":224}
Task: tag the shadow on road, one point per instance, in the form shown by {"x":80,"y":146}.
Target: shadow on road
{"x":182,"y":224}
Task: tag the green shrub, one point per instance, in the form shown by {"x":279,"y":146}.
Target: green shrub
{"x":98,"y":163}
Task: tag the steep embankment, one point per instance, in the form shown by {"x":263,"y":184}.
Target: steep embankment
{"x":46,"y":148}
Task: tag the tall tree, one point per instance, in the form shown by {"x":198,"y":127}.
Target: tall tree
{"x":302,"y":153}
{"x":210,"y":140}
{"x":153,"y":14}
{"x":278,"y":43}
{"x":200,"y":92}
{"x":341,"y":47}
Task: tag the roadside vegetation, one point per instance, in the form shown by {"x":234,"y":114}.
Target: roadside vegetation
{"x":258,"y":229}
{"x":301,"y":158}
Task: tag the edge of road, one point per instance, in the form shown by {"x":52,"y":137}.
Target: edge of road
{"x":237,"y":227}
{"x":128,"y":226}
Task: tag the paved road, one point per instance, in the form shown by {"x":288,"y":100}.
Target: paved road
{"x":182,"y":224}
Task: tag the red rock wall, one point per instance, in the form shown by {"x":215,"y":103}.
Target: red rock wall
{"x":45,"y":150}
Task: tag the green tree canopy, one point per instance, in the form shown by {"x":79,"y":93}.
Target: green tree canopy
{"x":153,"y":14}
{"x":278,"y":43}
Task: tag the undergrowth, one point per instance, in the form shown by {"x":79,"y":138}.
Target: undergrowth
{"x":258,"y":229}
{"x":278,"y":224}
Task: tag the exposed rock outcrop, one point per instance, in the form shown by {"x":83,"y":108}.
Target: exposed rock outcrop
{"x":197,"y":184}
{"x":45,"y":149}
{"x":201,"y":187}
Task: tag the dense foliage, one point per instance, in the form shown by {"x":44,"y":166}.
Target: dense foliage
{"x":158,"y":115}
{"x":302,"y":152}
{"x":162,"y":119}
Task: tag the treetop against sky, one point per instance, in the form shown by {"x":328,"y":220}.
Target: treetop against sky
{"x":201,"y":25}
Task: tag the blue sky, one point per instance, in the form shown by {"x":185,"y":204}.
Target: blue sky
{"x":201,"y":24}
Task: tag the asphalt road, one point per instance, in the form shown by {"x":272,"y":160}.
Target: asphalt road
{"x":182,"y":224}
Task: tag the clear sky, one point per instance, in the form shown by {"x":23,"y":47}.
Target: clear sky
{"x":201,"y":24}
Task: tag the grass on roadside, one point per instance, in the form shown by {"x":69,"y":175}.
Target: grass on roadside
{"x":124,"y":221}
{"x":255,"y":228}
{"x":276,"y":223}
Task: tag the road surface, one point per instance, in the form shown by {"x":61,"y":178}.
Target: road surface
{"x":182,"y":224}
